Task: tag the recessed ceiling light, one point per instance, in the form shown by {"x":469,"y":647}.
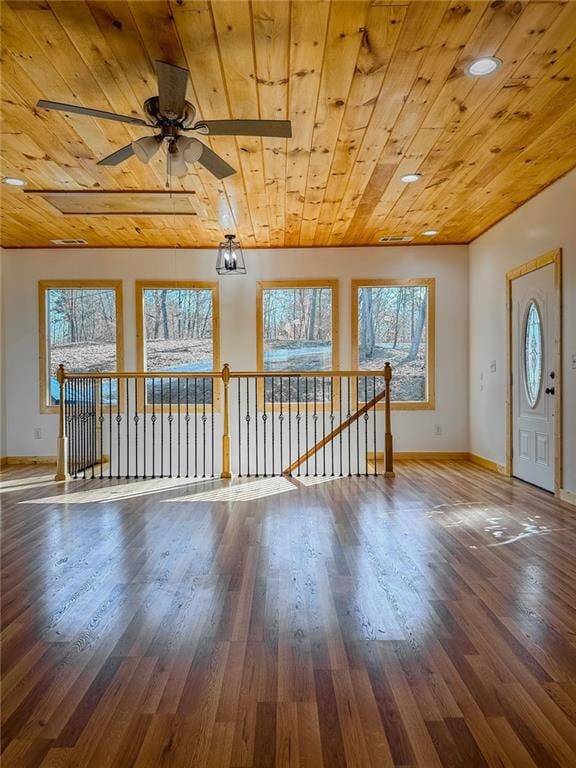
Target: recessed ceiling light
{"x":430,"y":232}
{"x":13,"y":181}
{"x":410,"y":178}
{"x":483,"y":66}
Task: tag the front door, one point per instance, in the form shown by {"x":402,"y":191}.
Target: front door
{"x":533,"y":377}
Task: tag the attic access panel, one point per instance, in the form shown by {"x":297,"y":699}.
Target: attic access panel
{"x":121,"y":203}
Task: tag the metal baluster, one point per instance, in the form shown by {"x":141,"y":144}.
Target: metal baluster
{"x":349,"y":430}
{"x":248,"y":424}
{"x":195,"y":427}
{"x":161,"y":426}
{"x":153,"y":420}
{"x":212,"y":422}
{"x":204,"y":427}
{"x":170,"y":420}
{"x":315,"y":420}
{"x":289,"y":420}
{"x":340,"y":384}
{"x":306,"y":413}
{"x":136,"y":421}
{"x":264,"y":420}
{"x":93,"y":435}
{"x":272,"y":418}
{"x":110,"y":426}
{"x":281,"y":420}
{"x":366,"y":417}
{"x":127,"y":428}
{"x":101,"y":423}
{"x":374,"y":424}
{"x":298,"y":419}
{"x":187,"y":419}
{"x":179,"y":423}
{"x":332,"y":419}
{"x":118,"y":422}
{"x":239,"y":432}
{"x":83,"y":423}
{"x":357,"y":429}
{"x":256,"y":421}
{"x":324,"y":426}
{"x":144,"y":444}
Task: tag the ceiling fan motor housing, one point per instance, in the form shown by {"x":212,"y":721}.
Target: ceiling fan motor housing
{"x":152,"y":110}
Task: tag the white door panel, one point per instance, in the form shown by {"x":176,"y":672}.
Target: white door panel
{"x":533,"y":377}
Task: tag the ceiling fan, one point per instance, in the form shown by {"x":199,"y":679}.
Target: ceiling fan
{"x":170,"y":115}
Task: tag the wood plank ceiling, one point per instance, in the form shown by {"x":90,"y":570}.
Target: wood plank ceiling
{"x":373,"y":89}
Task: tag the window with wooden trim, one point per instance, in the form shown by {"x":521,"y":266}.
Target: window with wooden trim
{"x":393,"y":320}
{"x":178,"y":332}
{"x":81,"y":327}
{"x":297,"y":329}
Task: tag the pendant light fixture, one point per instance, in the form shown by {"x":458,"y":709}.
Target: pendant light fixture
{"x":230,"y":257}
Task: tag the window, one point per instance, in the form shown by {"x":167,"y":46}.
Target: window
{"x":393,"y":320}
{"x":297,"y":329}
{"x":80,"y":327}
{"x":533,"y":359}
{"x":178,"y":332}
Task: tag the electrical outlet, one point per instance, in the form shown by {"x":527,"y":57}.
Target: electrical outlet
{"x":492,"y":366}
{"x":437,"y":429}
{"x":37,"y":433}
{"x":574,"y":362}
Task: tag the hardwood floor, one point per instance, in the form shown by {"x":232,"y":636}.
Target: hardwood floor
{"x":425,"y":621}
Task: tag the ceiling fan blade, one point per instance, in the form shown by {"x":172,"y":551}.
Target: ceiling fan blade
{"x":215,"y":164}
{"x":117,"y":157}
{"x":275,"y":128}
{"x":74,"y":108}
{"x":172,"y":82}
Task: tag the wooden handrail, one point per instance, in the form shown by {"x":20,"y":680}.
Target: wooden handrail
{"x":218,"y":374}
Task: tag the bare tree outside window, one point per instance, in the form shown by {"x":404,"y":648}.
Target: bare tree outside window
{"x":178,"y":337}
{"x":297,"y":335}
{"x":392,"y":326}
{"x":81,"y":332}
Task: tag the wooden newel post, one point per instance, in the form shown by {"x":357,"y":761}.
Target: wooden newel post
{"x":226,"y":473}
{"x":388,"y":444}
{"x":62,"y":452}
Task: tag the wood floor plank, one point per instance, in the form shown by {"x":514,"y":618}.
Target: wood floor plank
{"x":422,"y":622}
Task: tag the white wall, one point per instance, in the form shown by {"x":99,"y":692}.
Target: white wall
{"x":414,"y":430}
{"x":547,"y":221}
{"x":3,"y":447}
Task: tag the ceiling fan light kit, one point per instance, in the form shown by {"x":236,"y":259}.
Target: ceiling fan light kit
{"x":170,"y":114}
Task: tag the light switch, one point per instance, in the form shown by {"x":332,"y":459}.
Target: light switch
{"x":492,"y":366}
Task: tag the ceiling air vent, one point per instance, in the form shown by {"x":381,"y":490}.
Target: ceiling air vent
{"x":69,"y":242}
{"x":395,"y":239}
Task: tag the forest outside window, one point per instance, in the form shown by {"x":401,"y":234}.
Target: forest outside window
{"x":393,"y":320}
{"x":178,"y":333}
{"x":80,"y":328}
{"x":297,"y":330}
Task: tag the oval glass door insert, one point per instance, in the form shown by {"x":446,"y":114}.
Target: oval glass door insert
{"x":533,"y":356}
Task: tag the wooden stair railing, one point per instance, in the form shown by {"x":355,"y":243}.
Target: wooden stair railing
{"x":131,"y":404}
{"x":384,"y":395}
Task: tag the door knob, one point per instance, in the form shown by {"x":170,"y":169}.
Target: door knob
{"x":550,"y":390}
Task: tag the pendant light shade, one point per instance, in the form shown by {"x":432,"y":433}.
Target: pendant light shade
{"x":191,"y":149}
{"x":146,"y":148}
{"x":230,"y":257}
{"x":176,"y":163}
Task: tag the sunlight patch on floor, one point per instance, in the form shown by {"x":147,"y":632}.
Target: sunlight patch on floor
{"x":311,"y":480}
{"x":118,"y":492}
{"x":256,"y":489}
{"x":21,"y":483}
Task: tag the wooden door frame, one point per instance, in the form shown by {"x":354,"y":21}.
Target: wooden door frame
{"x":551,"y":257}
